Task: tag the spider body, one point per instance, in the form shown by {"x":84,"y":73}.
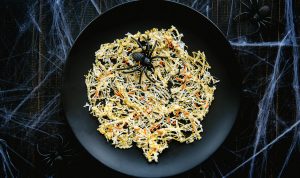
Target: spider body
{"x":260,"y":14}
{"x":256,"y":14}
{"x":144,"y":60}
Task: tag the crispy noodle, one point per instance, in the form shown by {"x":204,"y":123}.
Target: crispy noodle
{"x":150,"y":114}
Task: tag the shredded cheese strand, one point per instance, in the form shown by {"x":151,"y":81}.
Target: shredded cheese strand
{"x":150,"y":114}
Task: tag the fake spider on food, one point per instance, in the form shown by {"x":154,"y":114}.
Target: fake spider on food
{"x":257,"y":14}
{"x":144,"y":60}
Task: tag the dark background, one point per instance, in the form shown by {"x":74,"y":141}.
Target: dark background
{"x":34,"y":42}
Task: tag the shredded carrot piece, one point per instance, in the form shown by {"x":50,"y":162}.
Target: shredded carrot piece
{"x":96,"y":93}
{"x":179,"y":79}
{"x":186,"y":113}
{"x":119,"y":94}
{"x":168,"y":120}
{"x":183,"y":86}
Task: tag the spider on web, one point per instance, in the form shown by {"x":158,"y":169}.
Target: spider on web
{"x":58,"y":155}
{"x":257,"y":14}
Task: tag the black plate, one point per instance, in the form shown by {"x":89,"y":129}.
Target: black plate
{"x":199,"y":33}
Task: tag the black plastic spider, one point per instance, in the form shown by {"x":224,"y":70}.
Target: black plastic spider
{"x":144,"y":60}
{"x":56,"y":156}
{"x":256,"y":14}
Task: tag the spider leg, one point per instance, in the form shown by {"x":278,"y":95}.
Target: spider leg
{"x":152,"y":68}
{"x":262,"y":39}
{"x":147,"y":47}
{"x":60,"y":138}
{"x":140,"y":45}
{"x":42,"y":154}
{"x":46,"y":155}
{"x":239,"y":15}
{"x":262,"y":23}
{"x":127,"y":68}
{"x":258,"y":28}
{"x":257,"y":2}
{"x":266,"y":21}
{"x":258,"y":25}
{"x":260,"y":35}
{"x":51,"y":163}
{"x":148,"y":76}
{"x":65,"y":151}
{"x":254,"y":3}
{"x":256,"y":31}
{"x":246,"y":4}
{"x":154,"y":46}
{"x":50,"y":160}
{"x":127,"y":72}
{"x":157,"y":57}
{"x":141,"y":74}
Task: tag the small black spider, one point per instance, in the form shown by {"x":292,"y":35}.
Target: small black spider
{"x":256,"y":14}
{"x":56,"y":156}
{"x":144,"y":59}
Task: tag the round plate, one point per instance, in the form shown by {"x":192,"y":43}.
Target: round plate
{"x":199,"y":34}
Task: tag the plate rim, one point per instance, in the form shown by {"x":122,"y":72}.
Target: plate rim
{"x":222,"y":35}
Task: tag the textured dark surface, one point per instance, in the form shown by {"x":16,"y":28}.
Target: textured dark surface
{"x":34,"y":42}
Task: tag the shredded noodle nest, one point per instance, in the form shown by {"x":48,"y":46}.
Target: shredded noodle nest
{"x":150,"y":114}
